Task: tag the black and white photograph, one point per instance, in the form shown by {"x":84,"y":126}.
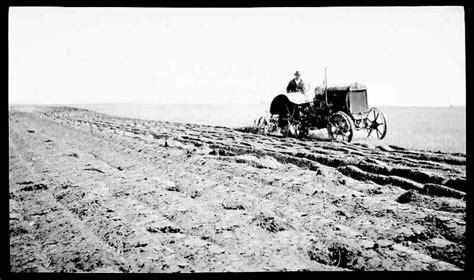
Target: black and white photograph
{"x":251,"y":139}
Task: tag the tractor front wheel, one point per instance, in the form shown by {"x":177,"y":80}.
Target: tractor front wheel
{"x":376,"y":123}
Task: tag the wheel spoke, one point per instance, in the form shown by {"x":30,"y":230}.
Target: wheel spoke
{"x":376,"y":116}
{"x":377,"y":131}
{"x":340,"y":127}
{"x":346,"y":135}
{"x":370,"y":131}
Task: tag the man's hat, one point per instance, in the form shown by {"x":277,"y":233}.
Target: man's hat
{"x":297,"y":73}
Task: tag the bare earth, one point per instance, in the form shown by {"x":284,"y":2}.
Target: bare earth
{"x":95,"y":193}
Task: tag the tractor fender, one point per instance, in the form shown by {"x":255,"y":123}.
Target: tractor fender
{"x":295,"y":98}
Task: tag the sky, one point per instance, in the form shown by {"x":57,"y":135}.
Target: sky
{"x":408,"y":56}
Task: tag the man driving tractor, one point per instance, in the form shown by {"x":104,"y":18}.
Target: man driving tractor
{"x":296,"y":84}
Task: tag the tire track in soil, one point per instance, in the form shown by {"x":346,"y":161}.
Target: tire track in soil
{"x":280,"y":200}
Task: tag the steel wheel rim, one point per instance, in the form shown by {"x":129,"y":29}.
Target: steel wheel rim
{"x":377,"y":124}
{"x":293,"y":127}
{"x":337,"y":130}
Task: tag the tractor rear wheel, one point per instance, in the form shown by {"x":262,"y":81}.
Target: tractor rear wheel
{"x":340,"y":127}
{"x":292,"y":126}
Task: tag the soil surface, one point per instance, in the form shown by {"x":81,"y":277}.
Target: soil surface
{"x":95,"y":193}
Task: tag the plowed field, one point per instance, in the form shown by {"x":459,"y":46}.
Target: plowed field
{"x":95,"y":193}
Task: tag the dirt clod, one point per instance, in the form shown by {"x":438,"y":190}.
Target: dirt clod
{"x":195,"y":194}
{"x":173,"y":188}
{"x":25,"y":183}
{"x":162,"y":228}
{"x":268,"y":223}
{"x":35,"y":187}
{"x":405,"y":197}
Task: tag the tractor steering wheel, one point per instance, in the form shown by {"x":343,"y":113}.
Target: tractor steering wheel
{"x":305,"y":87}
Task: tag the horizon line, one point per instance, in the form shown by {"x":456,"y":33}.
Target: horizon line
{"x":222,"y":103}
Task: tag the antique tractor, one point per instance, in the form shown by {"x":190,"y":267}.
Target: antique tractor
{"x":339,"y":109}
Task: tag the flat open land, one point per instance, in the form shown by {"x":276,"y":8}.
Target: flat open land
{"x":96,"y":193}
{"x":427,"y":128}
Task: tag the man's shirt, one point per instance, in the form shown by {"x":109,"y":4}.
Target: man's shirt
{"x":295,"y":86}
